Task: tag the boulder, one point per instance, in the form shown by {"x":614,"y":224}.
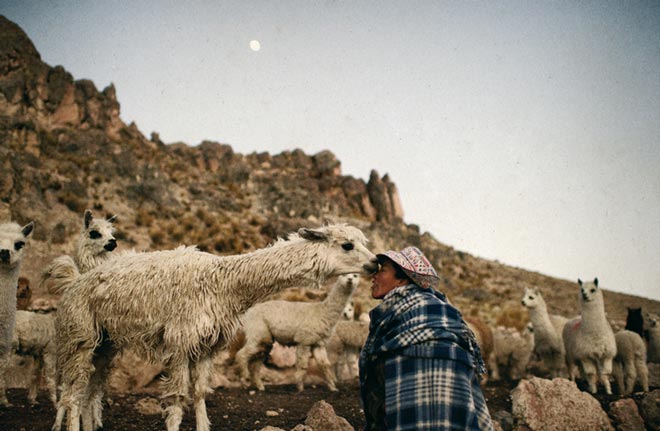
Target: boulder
{"x":650,"y":409}
{"x":322,"y":417}
{"x":556,"y":405}
{"x":625,"y":415}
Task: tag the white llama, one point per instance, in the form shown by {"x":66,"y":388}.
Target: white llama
{"x":589,"y":340}
{"x":548,"y":342}
{"x":630,"y":362}
{"x":347,"y":340}
{"x":93,"y":247}
{"x":12,"y":243}
{"x":180,"y":307}
{"x":306,"y":325}
{"x":512,"y":352}
{"x":653,"y":353}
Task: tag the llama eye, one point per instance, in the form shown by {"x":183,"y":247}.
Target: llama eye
{"x":18,"y":245}
{"x":347,"y":246}
{"x":94,"y":234}
{"x":593,"y":290}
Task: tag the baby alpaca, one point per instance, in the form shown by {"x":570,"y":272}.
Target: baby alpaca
{"x":589,"y":340}
{"x":512,"y":352}
{"x":306,"y":325}
{"x":12,"y":243}
{"x":548,"y":342}
{"x":34,"y":336}
{"x":630,"y":362}
{"x":347,"y":340}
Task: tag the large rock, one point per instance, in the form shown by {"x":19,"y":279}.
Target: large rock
{"x":322,"y":417}
{"x":556,"y":405}
{"x":625,"y":415}
{"x":650,"y":409}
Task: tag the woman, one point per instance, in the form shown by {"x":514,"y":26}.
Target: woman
{"x":420,"y":365}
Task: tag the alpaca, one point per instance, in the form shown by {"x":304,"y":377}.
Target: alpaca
{"x":635,"y":321}
{"x":12,"y":246}
{"x":34,"y":336}
{"x":23,"y":294}
{"x":548,"y":342}
{"x":307,"y":325}
{"x":589,"y":340}
{"x":630,"y":362}
{"x":93,"y":246}
{"x":653,"y":353}
{"x":180,"y":307}
{"x":512,"y":352}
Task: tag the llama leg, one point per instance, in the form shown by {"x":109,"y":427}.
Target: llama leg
{"x":617,"y":373}
{"x":50,"y":374}
{"x":35,"y":379}
{"x":103,"y":357}
{"x":254,"y":366}
{"x":302,"y":363}
{"x":321,"y":356}
{"x":590,"y":373}
{"x":200,"y":374}
{"x":604,"y":373}
{"x":642,"y":373}
{"x":4,"y":363}
{"x":176,"y":387}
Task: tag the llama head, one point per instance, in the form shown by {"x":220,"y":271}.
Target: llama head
{"x":532,"y":298}
{"x":97,"y":236}
{"x":348,"y":311}
{"x":12,"y":242}
{"x":589,"y":291}
{"x":343,"y":249}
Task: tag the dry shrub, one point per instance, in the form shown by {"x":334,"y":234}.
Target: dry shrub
{"x":513,"y":316}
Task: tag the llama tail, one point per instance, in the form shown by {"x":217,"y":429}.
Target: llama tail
{"x":59,"y":274}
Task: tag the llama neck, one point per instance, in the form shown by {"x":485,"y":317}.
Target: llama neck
{"x":539,"y":316}
{"x":593,"y":314}
{"x":269,"y":270}
{"x":8,"y":283}
{"x":337,"y":299}
{"x":85,"y":261}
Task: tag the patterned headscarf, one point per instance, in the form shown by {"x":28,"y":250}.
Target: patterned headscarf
{"x":416,"y":266}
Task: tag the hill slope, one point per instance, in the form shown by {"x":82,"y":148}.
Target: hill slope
{"x":64,"y":148}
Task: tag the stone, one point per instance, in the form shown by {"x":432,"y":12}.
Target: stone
{"x":625,"y":415}
{"x":556,"y":405}
{"x":503,"y":419}
{"x":650,"y":409}
{"x":322,"y":417}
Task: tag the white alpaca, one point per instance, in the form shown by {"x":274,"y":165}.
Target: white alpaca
{"x":511,"y":352}
{"x":93,"y":247}
{"x":589,"y":340}
{"x":180,"y":307}
{"x":548,"y":342}
{"x":306,"y":325}
{"x":653,"y":354}
{"x":12,"y":243}
{"x":630,"y":362}
{"x":34,"y":336}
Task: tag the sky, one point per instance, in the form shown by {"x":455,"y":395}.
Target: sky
{"x":526,"y":132}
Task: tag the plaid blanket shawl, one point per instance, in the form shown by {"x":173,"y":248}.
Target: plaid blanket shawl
{"x":412,"y":322}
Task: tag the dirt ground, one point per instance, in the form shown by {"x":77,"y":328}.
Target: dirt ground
{"x":231,"y":409}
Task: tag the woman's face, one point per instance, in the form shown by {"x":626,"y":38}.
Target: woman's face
{"x":383,"y":281}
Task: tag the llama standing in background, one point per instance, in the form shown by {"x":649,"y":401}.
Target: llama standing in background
{"x":307,"y":325}
{"x":653,"y":353}
{"x":180,"y":307}
{"x":548,"y":342}
{"x":630,"y":362}
{"x":347,"y":340}
{"x":12,"y":245}
{"x":512,"y":352}
{"x":589,"y":340}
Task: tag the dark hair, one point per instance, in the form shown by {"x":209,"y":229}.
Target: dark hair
{"x":399,"y":273}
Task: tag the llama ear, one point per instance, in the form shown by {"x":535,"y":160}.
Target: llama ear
{"x":579,"y":282}
{"x":112,"y":219}
{"x":596,"y":281}
{"x":311,"y":234}
{"x":27,"y":229}
{"x":87,"y":218}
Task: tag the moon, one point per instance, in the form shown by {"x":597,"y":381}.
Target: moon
{"x":255,"y":45}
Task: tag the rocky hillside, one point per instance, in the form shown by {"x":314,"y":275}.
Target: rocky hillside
{"x":64,"y":148}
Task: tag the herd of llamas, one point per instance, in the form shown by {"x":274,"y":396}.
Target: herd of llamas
{"x":181,"y":307}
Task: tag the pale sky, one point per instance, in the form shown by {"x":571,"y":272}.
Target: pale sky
{"x":522,"y":131}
